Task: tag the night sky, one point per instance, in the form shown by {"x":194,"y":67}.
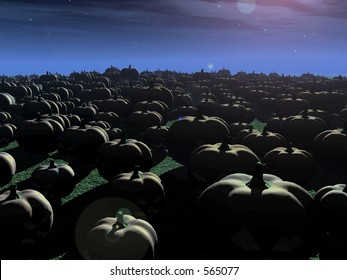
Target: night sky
{"x":285,"y":36}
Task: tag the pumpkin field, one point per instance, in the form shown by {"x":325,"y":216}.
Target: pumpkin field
{"x":122,"y":164}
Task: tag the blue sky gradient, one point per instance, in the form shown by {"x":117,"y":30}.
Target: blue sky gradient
{"x":287,"y":36}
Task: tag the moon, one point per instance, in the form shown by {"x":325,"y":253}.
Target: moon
{"x":246,"y":6}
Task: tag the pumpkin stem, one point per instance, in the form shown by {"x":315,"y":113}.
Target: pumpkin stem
{"x":225,"y":143}
{"x":304,"y":114}
{"x":122,"y":139}
{"x":199,"y":115}
{"x":51,"y":164}
{"x":265,"y":131}
{"x":257,"y":181}
{"x":83,"y":124}
{"x":135,"y":174}
{"x":38,"y":116}
{"x":119,"y":215}
{"x":289,"y":148}
{"x":13,"y":193}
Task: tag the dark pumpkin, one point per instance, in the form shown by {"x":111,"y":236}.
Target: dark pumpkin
{"x":80,"y":144}
{"x":7,"y":168}
{"x":119,"y":156}
{"x":54,"y":180}
{"x":291,"y":164}
{"x":25,"y":216}
{"x":211,"y":162}
{"x":39,"y":136}
{"x":188,"y":133}
{"x":257,"y":217}
{"x":142,"y":188}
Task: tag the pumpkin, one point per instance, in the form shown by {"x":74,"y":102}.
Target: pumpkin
{"x":5,"y":86}
{"x":129,"y":73}
{"x":60,"y":118}
{"x":330,"y":149}
{"x":232,"y":113}
{"x":274,"y":123}
{"x":7,"y":168}
{"x":63,"y":93}
{"x":111,"y":118}
{"x":39,"y":136}
{"x":243,"y":133}
{"x":302,"y":129}
{"x":266,"y":107}
{"x":32,"y":107}
{"x":332,"y":205}
{"x":236,"y":128}
{"x":317,"y":99}
{"x":25,"y":216}
{"x":137,"y":122}
{"x":155,"y":106}
{"x":55,"y":108}
{"x":343,"y":114}
{"x":291,"y":106}
{"x":183,"y":111}
{"x":5,"y":116}
{"x":324,"y":115}
{"x":182,"y":99}
{"x":263,"y":142}
{"x":121,"y":155}
{"x":332,"y":213}
{"x":103,"y":124}
{"x":101,"y":93}
{"x":80,"y":144}
{"x":19,"y":91}
{"x":142,"y":188}
{"x":7,"y":133}
{"x":51,"y":96}
{"x":291,"y":164}
{"x":147,"y":157}
{"x":6,"y":100}
{"x":70,"y":106}
{"x":74,"y":120}
{"x":158,"y":93}
{"x":120,"y":238}
{"x":86,"y":112}
{"x":156,"y":137}
{"x":114,"y":133}
{"x":54,"y":181}
{"x":118,"y":105}
{"x":211,"y":162}
{"x":257,"y":217}
{"x":188,"y":133}
{"x":207,"y":106}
